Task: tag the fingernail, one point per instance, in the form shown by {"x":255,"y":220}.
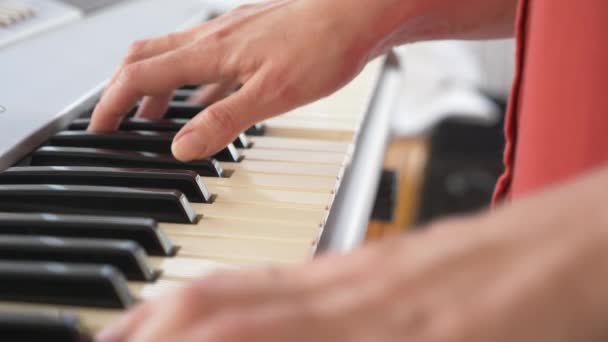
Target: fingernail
{"x":188,"y":145}
{"x":181,"y":133}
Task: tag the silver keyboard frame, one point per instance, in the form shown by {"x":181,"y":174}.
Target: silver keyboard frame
{"x":42,"y":78}
{"x":42,"y":81}
{"x":347,"y":223}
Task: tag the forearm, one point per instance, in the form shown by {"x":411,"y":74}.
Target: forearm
{"x":567,"y":226}
{"x":386,"y":23}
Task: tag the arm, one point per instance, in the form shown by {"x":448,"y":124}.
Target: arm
{"x":285,"y":53}
{"x":535,"y":270}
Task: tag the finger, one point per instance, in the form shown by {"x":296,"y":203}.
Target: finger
{"x":212,"y":295}
{"x":212,"y":93}
{"x":143,"y":49}
{"x":272,"y":322}
{"x":154,"y":107}
{"x":129,"y":322}
{"x":217,"y":125}
{"x":154,"y":76}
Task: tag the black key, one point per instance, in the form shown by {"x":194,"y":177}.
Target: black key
{"x":147,"y":141}
{"x":136,"y":124}
{"x":164,"y":125}
{"x":181,"y":95}
{"x":162,"y":205}
{"x":144,"y":231}
{"x":258,"y":129}
{"x":229,"y":154}
{"x":78,"y":156}
{"x":126,"y":256}
{"x":183,"y":110}
{"x":64,"y":284}
{"x":242,"y":141}
{"x":188,"y":182}
{"x":87,"y":113}
{"x":158,"y":142}
{"x":190,"y":87}
{"x":38,"y":327}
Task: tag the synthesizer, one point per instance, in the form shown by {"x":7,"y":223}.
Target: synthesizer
{"x":91,"y":223}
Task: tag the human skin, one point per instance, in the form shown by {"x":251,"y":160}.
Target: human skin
{"x":532,"y":270}
{"x":285,"y":53}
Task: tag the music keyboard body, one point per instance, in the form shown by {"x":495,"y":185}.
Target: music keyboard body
{"x":305,"y":186}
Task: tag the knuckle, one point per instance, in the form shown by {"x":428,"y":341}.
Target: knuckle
{"x":283,"y":89}
{"x":129,"y":73}
{"x":173,"y":39}
{"x":188,"y":298}
{"x":289,"y":93}
{"x":136,"y":51}
{"x":231,"y":327}
{"x":222,"y":118}
{"x":213,"y":278}
{"x":218,"y":34}
{"x":244,"y":7}
{"x":209,"y":284}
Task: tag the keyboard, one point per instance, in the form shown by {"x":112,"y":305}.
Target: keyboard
{"x":91,"y":223}
{"x":22,"y":19}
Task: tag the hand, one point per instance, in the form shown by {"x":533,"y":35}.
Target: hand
{"x":533,"y":271}
{"x":285,"y":53}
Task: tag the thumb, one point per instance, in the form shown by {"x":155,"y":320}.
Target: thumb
{"x":216,"y":127}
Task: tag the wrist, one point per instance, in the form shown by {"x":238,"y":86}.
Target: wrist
{"x":382,"y":24}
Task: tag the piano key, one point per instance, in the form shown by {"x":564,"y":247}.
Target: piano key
{"x":241,"y":228}
{"x":305,"y":129}
{"x":126,"y":256}
{"x":182,"y":95}
{"x":146,"y":141}
{"x":184,"y":268}
{"x":79,"y":156}
{"x":311,"y":114}
{"x":144,"y":231}
{"x":146,"y":291}
{"x":229,"y":154}
{"x":92,"y":318}
{"x":242,"y":141}
{"x":136,"y":124}
{"x":163,"y":125}
{"x":337,"y":158}
{"x":272,"y":197}
{"x":189,"y":87}
{"x":159,"y":142}
{"x":39,"y":327}
{"x":67,"y":284}
{"x":183,"y":110}
{"x":188,"y":182}
{"x":227,"y":249}
{"x":258,"y":129}
{"x":269,"y":142}
{"x":163,"y":205}
{"x":250,"y":211}
{"x":285,"y":168}
{"x":274,"y":181}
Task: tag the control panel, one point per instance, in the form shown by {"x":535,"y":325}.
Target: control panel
{"x":22,"y":19}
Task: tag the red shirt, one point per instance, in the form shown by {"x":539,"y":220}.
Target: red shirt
{"x":557,"y":123}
